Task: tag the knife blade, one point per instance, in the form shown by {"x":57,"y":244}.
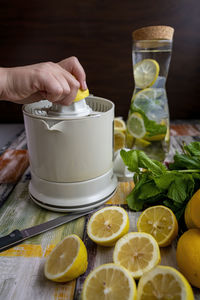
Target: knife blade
{"x":17,"y":236}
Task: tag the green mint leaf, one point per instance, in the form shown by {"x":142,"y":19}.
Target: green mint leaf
{"x":148,"y":190}
{"x":193,"y":148}
{"x":178,"y":211}
{"x":136,"y":159}
{"x":130,"y":159}
{"x":183,"y":161}
{"x":164,"y":181}
{"x":149,"y":164}
{"x":181,"y":187}
{"x":196,"y":177}
{"x":133,"y":202}
{"x":143,"y":190}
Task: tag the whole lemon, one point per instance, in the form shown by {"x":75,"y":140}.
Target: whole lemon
{"x":192,"y":211}
{"x":188,"y":255}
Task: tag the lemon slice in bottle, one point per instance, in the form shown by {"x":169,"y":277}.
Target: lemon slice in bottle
{"x":138,"y":252}
{"x":67,"y":261}
{"x":145,"y":73}
{"x":107,"y":225}
{"x":135,"y":125}
{"x":141,"y":143}
{"x":164,"y":282}
{"x":109,"y":281}
{"x":160,"y":222}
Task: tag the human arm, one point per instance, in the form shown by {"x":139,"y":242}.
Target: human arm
{"x":57,"y":82}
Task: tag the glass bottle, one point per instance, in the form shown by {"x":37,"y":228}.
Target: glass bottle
{"x":148,"y":117}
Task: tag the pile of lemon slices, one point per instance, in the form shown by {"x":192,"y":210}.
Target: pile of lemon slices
{"x":119,"y":133}
{"x":136,"y":255}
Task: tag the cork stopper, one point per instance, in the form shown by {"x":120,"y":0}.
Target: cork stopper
{"x":154,"y":33}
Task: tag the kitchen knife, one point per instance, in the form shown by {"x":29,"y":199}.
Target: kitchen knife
{"x":17,"y":236}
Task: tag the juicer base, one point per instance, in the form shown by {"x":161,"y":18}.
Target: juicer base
{"x":72,"y":209}
{"x":74,"y":196}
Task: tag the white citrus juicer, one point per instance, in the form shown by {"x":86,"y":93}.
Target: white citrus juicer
{"x":71,"y":152}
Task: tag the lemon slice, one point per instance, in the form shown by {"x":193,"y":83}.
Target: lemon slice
{"x":119,"y":125}
{"x":141,"y":143}
{"x":138,"y":252}
{"x":107,"y":225}
{"x":149,"y":94}
{"x":160,"y":222}
{"x":135,"y":125}
{"x":129,"y":141}
{"x":119,"y":140}
{"x":155,"y":138}
{"x":81,"y":95}
{"x":164,"y":283}
{"x":67,"y":261}
{"x":145,"y":73}
{"x":109,"y":282}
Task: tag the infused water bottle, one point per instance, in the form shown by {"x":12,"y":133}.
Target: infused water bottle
{"x":148,"y":117}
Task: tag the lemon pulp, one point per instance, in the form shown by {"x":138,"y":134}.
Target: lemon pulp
{"x":160,"y":222}
{"x":138,"y":252}
{"x":107,"y":225}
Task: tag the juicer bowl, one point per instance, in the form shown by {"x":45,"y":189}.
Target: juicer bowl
{"x":70,"y":155}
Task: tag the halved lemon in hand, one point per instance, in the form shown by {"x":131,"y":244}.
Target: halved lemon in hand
{"x":81,"y":95}
{"x":119,"y":139}
{"x":135,"y":125}
{"x":107,"y":225}
{"x":160,"y":222}
{"x":145,"y":73}
{"x":164,"y":283}
{"x":138,"y":252}
{"x":67,"y":261}
{"x":119,"y":124}
{"x":109,"y":282}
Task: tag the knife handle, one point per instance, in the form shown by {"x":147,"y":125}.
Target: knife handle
{"x":13,"y":238}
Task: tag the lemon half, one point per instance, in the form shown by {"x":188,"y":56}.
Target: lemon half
{"x":160,"y":222}
{"x":107,"y":282}
{"x":67,"y":261}
{"x":107,"y":225}
{"x":138,"y":252}
{"x":164,"y":283}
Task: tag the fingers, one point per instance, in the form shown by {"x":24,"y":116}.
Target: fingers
{"x":73,"y":66}
{"x":56,"y":84}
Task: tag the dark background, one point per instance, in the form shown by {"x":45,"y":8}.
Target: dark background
{"x":99,"y":33}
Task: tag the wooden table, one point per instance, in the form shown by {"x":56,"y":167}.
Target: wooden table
{"x":21,"y":267}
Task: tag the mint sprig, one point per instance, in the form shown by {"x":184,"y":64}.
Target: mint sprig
{"x":156,"y":184}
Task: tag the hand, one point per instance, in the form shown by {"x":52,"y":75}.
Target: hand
{"x":57,"y":82}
